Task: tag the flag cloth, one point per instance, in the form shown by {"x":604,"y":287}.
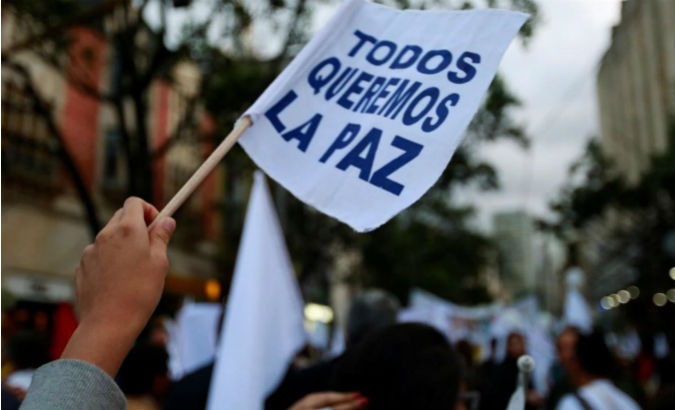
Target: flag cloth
{"x":263,"y":324}
{"x":576,"y":311}
{"x":193,"y":337}
{"x":367,"y":116}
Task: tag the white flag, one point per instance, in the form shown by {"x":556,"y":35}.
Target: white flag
{"x":576,"y":311}
{"x":366,"y":118}
{"x":194,"y":335}
{"x":263,"y":327}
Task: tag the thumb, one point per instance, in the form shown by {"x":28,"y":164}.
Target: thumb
{"x":161,"y":234}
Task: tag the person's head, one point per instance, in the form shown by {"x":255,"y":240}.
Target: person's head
{"x":515,"y":345}
{"x":407,"y":366}
{"x":493,"y":347}
{"x":369,"y":311}
{"x":594,"y":356}
{"x":155,"y":333}
{"x":566,"y":344}
{"x":465,"y":350}
{"x":145,"y":371}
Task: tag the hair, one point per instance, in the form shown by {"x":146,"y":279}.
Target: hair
{"x":138,"y":371}
{"x":407,"y":366}
{"x":464,"y":349}
{"x":515,"y":335}
{"x":370,"y":310}
{"x":594,"y":356}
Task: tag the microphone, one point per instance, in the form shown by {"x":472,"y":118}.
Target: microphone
{"x":525,"y":367}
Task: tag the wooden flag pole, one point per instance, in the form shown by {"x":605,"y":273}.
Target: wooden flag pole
{"x":204,"y":170}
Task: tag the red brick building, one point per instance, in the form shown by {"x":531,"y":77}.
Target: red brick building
{"x":44,"y":228}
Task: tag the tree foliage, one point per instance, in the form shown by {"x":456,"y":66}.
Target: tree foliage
{"x":633,"y":222}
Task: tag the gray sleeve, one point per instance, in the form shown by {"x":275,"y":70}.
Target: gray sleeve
{"x":72,"y":384}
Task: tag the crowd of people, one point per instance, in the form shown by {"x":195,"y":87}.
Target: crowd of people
{"x":117,"y":357}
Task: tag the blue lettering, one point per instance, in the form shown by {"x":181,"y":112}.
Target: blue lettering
{"x":381,"y":177}
{"x":383,"y":94}
{"x":273,"y":113}
{"x":468,"y":69}
{"x":431,"y":93}
{"x":441,"y":112}
{"x":446,"y":59}
{"x":363,"y":39}
{"x":353,"y":158}
{"x":382,"y":59}
{"x":346,"y":136}
{"x":339,"y":84}
{"x":397,"y":101}
{"x":355,"y":88}
{"x":375,"y":87}
{"x":304,"y":132}
{"x":317,"y":79}
{"x":400,"y":63}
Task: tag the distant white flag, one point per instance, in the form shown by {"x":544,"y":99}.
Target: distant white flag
{"x":576,"y":311}
{"x":263,"y":326}
{"x":193,"y":337}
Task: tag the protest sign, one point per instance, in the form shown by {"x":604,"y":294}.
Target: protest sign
{"x":366,"y":118}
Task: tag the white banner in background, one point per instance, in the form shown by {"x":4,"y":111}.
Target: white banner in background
{"x":366,"y":118}
{"x":263,"y":325}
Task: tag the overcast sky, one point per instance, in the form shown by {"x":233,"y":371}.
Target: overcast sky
{"x":554,"y":77}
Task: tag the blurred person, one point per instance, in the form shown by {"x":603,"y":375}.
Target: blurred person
{"x":41,"y":321}
{"x":10,"y":400}
{"x":487,"y":368}
{"x":644,"y":367}
{"x":506,"y":376}
{"x":192,"y":390}
{"x":64,"y":323}
{"x":8,"y":329}
{"x":27,"y":350}
{"x":331,"y":400}
{"x":486,"y":377}
{"x":144,"y":377}
{"x":369,"y":311}
{"x":156,"y":333}
{"x":404,"y":366}
{"x":589,"y":371}
{"x":664,"y":398}
{"x":565,"y":345}
{"x":118,"y":283}
{"x":469,"y":383}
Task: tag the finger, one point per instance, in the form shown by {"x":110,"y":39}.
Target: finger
{"x":333,"y":398}
{"x":86,"y":256}
{"x":160,"y":235}
{"x":114,"y":220}
{"x":134,"y":211}
{"x":149,"y":213}
{"x":117,"y":216}
{"x":354,"y":404}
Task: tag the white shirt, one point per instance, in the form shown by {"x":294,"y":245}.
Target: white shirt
{"x":600,"y":394}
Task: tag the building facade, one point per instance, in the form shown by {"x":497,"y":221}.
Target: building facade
{"x":44,"y":227}
{"x":636,"y":86}
{"x":513,"y":233}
